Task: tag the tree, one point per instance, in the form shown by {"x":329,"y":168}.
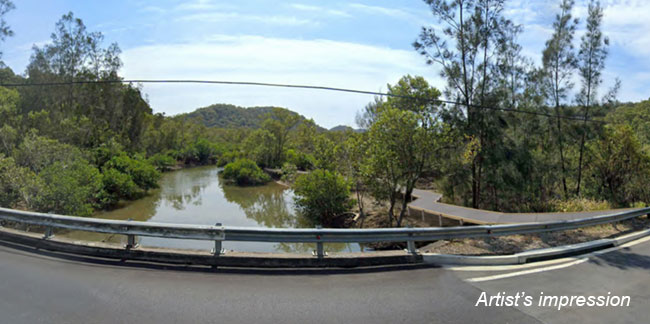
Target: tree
{"x":258,"y":147}
{"x":279,"y":123}
{"x":38,"y":152}
{"x":592,"y":55}
{"x":69,"y":188}
{"x":5,"y":30}
{"x":322,"y":196}
{"x":245,"y":172}
{"x":401,"y":147}
{"x":352,"y":165}
{"x":99,"y":111}
{"x":16,"y":183}
{"x":619,"y":167}
{"x":559,"y":62}
{"x":466,"y":50}
{"x":144,"y":175}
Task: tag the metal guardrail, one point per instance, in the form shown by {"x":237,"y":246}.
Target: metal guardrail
{"x":218,"y":233}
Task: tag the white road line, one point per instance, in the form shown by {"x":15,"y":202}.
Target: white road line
{"x":509,"y":266}
{"x":577,"y":260}
{"x":525,"y":272}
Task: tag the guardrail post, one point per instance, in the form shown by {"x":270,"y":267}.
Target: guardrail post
{"x":410,"y":244}
{"x":320,"y":250}
{"x":48,"y":232}
{"x":218,"y":250}
{"x":130,"y":240}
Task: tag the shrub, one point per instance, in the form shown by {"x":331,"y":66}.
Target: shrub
{"x":289,"y":172}
{"x":107,"y":151}
{"x":579,"y":204}
{"x":162,"y":162}
{"x":143,"y":174}
{"x":69,"y":189}
{"x":228,"y":157}
{"x":38,"y":152}
{"x":117,"y":185}
{"x":201,"y":152}
{"x":322,"y":196}
{"x":245,"y":172}
{"x":14,"y":182}
{"x":302,"y":161}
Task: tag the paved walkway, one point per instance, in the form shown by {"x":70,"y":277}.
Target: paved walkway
{"x":427,"y":202}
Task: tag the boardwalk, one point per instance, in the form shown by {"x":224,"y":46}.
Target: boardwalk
{"x":426,"y":204}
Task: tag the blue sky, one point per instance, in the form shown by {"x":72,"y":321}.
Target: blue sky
{"x":359,"y":44}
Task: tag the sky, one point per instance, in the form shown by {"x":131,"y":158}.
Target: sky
{"x":358,"y":44}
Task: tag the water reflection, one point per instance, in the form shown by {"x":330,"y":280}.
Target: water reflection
{"x":199,"y":196}
{"x":270,"y":205}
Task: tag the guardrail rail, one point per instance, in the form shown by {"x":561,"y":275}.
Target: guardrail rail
{"x":219,"y":233}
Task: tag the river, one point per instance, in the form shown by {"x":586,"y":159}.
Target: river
{"x":199,"y":196}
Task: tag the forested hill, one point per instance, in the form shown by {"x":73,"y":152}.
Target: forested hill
{"x":344,"y":128}
{"x":231,"y":116}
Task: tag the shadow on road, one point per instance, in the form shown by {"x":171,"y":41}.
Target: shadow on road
{"x":94,"y":261}
{"x":623,"y":259}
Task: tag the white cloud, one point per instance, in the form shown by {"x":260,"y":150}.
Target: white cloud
{"x":273,"y":60}
{"x":393,"y":13}
{"x":200,"y":5}
{"x":211,"y":17}
{"x":380,"y":10}
{"x":627,"y":25}
{"x":320,"y":10}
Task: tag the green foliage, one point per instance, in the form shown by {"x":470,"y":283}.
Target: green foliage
{"x":578,"y":205}
{"x":228,"y":157}
{"x":117,"y":185}
{"x":14,"y":183}
{"x":322,"y":196}
{"x":107,"y":151}
{"x":324,"y":153}
{"x":258,"y":147}
{"x":162,"y":162}
{"x":636,"y":116}
{"x":68,"y":189}
{"x":245,"y":172}
{"x":302,"y":161}
{"x":230,"y":116}
{"x":279,"y":122}
{"x":402,"y":140}
{"x":37,"y":152}
{"x":9,"y":100}
{"x":289,"y":172}
{"x":5,"y":30}
{"x":8,"y":139}
{"x":143,"y":174}
{"x":201,"y":152}
{"x":619,"y":168}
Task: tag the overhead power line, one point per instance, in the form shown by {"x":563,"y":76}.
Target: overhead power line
{"x":298,"y":86}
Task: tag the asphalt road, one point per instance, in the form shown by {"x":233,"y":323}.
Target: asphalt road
{"x":624,"y":272}
{"x":39,"y":287}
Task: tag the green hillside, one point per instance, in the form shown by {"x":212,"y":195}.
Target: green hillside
{"x":231,"y":116}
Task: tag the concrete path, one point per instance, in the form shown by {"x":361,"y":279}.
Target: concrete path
{"x":427,"y":203}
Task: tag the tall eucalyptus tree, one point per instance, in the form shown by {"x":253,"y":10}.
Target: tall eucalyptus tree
{"x":559,"y":62}
{"x":591,"y":57}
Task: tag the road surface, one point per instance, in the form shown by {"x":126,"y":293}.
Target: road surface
{"x":42,"y":287}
